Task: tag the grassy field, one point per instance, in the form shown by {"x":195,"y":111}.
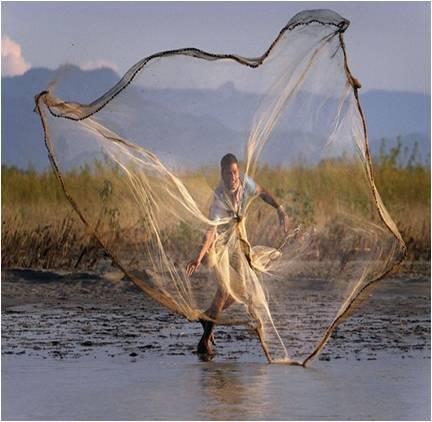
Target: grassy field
{"x":40,"y":228}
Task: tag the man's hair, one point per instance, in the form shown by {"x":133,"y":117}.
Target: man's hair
{"x":227,"y":160}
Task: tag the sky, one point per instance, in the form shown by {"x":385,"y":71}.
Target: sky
{"x":389,"y":43}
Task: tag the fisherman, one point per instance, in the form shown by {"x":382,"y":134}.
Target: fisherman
{"x":230,"y":199}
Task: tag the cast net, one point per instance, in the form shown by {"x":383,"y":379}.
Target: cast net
{"x":149,"y":150}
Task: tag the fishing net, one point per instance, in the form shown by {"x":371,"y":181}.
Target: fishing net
{"x":141,"y":167}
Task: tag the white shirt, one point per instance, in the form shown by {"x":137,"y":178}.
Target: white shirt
{"x":222,"y":206}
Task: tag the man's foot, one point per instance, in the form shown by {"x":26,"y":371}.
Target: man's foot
{"x":204,"y":347}
{"x":205,"y":357}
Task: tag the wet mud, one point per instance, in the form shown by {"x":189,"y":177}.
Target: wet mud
{"x":73,"y":315}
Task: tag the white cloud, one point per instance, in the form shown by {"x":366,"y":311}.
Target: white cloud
{"x":12,"y":60}
{"x":98,"y":64}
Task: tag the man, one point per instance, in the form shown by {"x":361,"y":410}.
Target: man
{"x":230,"y":200}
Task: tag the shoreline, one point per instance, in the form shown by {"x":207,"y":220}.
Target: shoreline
{"x":47,"y":314}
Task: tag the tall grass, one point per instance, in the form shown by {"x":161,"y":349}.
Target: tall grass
{"x":40,"y":229}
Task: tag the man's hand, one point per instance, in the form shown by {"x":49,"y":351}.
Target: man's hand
{"x":193,"y":266}
{"x":283,"y":218}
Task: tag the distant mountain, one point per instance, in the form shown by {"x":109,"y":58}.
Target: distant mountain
{"x":192,"y":118}
{"x":21,"y":131}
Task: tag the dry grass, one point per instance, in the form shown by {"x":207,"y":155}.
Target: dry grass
{"x":40,"y":229}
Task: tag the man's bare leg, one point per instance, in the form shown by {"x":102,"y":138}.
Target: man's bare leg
{"x":209,"y":325}
{"x":221,"y":302}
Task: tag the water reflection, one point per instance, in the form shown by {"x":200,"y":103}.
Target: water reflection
{"x":235,"y":391}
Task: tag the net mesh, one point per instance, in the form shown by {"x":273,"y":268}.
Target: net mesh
{"x":150,"y":150}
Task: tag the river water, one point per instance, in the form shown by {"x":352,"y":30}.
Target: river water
{"x":124,"y":388}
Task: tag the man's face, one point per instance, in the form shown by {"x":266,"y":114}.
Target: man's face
{"x":231,"y":177}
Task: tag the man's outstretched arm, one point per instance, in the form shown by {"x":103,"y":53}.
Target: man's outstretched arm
{"x":268,"y":199}
{"x":193,"y":265}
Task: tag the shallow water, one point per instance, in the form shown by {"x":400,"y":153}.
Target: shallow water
{"x":86,"y":349}
{"x":182,"y":388}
